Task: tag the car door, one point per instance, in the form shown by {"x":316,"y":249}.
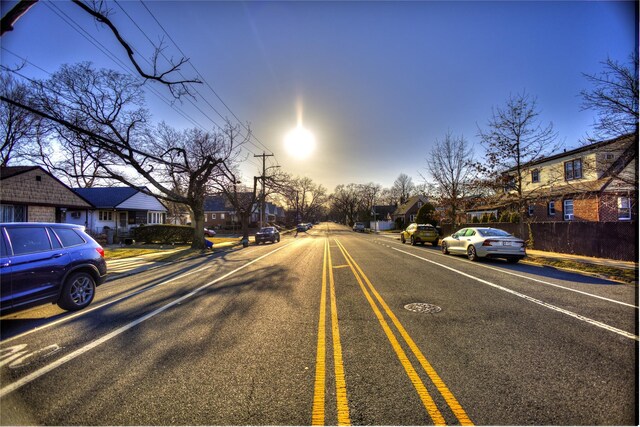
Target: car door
{"x":5,"y":273}
{"x":38,"y":264}
{"x":455,"y":244}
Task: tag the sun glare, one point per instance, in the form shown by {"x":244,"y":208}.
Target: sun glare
{"x":300,"y":143}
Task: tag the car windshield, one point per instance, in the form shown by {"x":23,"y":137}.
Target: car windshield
{"x":493,"y":232}
{"x":425,"y":227}
{"x":266,"y":230}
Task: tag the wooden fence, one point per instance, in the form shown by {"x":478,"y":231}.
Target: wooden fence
{"x":614,"y":240}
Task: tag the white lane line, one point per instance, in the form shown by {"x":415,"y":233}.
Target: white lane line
{"x":531,"y":299}
{"x":46,"y":369}
{"x":539,"y":281}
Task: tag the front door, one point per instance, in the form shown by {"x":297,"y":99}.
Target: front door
{"x":122,"y":222}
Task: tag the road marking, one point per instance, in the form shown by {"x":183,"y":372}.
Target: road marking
{"x":539,"y":281}
{"x":317,"y":413}
{"x":342,"y":403}
{"x":533,"y":300}
{"x":340,"y":266}
{"x":69,"y":357}
{"x":341,"y":386}
{"x":421,"y":389}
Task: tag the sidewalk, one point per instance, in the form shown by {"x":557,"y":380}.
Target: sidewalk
{"x":614,"y":263}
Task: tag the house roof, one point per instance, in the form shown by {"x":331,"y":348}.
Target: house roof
{"x":384,"y":209}
{"x":404,"y":208}
{"x":217,"y":203}
{"x":9,"y":171}
{"x":106,"y":197}
{"x":624,"y":139}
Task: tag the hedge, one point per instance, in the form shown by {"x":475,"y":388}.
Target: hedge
{"x":163,"y":233}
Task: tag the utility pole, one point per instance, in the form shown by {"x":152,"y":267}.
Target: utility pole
{"x":262,"y":178}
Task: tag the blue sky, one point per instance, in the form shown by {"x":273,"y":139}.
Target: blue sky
{"x":379,"y":82}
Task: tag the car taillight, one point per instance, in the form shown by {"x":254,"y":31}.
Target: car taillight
{"x":100,"y":251}
{"x":489,"y":242}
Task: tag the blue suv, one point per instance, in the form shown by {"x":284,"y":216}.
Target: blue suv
{"x":48,"y":263}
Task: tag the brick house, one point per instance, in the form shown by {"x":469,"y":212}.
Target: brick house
{"x":218,"y":212}
{"x":31,"y":194}
{"x":597,"y":182}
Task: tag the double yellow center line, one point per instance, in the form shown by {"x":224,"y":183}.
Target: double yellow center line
{"x":318,"y":415}
{"x":378,"y":308}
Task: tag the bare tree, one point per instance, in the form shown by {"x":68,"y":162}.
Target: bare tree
{"x":99,"y":11}
{"x":102,"y":112}
{"x":19,"y":127}
{"x":614,"y":97}
{"x":403,"y":188}
{"x":514,"y":137}
{"x":450,"y":165}
{"x":344,"y":203}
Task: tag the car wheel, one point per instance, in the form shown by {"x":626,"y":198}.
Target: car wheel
{"x":471,"y":253}
{"x":78,"y":292}
{"x":445,"y":250}
{"x":434,"y":243}
{"x":513,"y":260}
{"x":402,"y":239}
{"x":413,"y":241}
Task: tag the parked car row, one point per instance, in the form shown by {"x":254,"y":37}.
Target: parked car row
{"x":474,"y":242}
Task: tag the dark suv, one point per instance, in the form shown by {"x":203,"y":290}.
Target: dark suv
{"x":267,"y":234}
{"x":48,"y":263}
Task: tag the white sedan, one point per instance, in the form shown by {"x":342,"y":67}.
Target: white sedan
{"x":481,"y":242}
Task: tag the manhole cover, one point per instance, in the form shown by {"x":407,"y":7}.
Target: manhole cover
{"x":422,"y":307}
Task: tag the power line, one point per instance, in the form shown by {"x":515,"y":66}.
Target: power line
{"x":205,"y":81}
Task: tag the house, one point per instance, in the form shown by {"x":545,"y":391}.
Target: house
{"x":117,"y":208}
{"x":31,"y":194}
{"x":218,"y":212}
{"x":382,"y":217}
{"x":407,"y":212}
{"x":597,"y":182}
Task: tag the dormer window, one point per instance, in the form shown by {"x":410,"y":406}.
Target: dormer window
{"x":573,"y":169}
{"x":535,"y":176}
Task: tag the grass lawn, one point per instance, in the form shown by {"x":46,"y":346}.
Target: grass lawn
{"x":619,"y":274}
{"x":162,"y":252}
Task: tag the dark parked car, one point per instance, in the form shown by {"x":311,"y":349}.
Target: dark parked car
{"x":48,"y":263}
{"x":267,"y":234}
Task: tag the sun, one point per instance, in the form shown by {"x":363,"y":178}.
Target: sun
{"x":300,"y":143}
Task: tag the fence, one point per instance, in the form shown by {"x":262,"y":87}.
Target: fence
{"x":613,"y":240}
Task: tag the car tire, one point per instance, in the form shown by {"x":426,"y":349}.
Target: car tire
{"x":402,"y":239}
{"x":77,"y":292}
{"x":513,"y":260}
{"x":413,"y":241}
{"x":471,"y":253}
{"x":445,"y":250}
{"x":434,"y":243}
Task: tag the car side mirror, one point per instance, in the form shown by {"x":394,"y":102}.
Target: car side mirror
{"x":455,"y":236}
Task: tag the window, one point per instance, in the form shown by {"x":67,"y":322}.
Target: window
{"x":68,"y":237}
{"x":25,"y":240}
{"x":624,"y":208}
{"x":568,"y":210}
{"x":213,"y":216}
{"x":13,"y":213}
{"x":552,"y":209}
{"x":221,"y":216}
{"x":535,"y":175}
{"x":105,"y":215}
{"x":412,"y":218}
{"x":531,"y":210}
{"x":573,"y":169}
{"x":154,"y":218}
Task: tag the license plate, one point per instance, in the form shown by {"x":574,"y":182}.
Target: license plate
{"x":506,"y":243}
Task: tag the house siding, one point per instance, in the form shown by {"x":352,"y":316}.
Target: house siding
{"x":26,"y":188}
{"x":41,"y":213}
{"x":142,"y":201}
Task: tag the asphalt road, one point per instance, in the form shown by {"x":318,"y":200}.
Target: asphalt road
{"x":314,"y":330}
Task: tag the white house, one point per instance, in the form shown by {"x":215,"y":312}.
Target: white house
{"x":117,"y":208}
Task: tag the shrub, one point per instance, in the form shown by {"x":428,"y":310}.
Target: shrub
{"x":505,"y":216}
{"x":492,"y":218}
{"x":514,"y":218}
{"x":426,"y":215}
{"x":475,"y":220}
{"x":485,"y":218}
{"x":163,"y":233}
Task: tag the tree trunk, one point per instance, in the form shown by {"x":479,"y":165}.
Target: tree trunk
{"x":197,"y":209}
{"x":244,"y":218}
